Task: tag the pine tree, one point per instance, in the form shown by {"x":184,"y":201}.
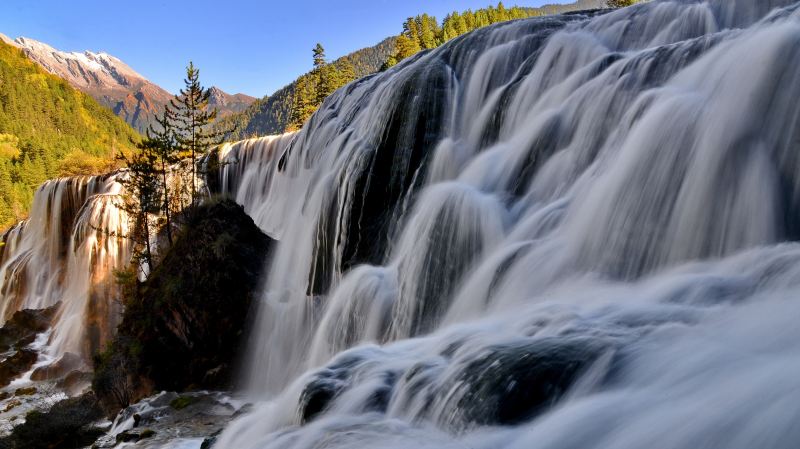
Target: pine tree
{"x":347,"y":73}
{"x":319,"y":56}
{"x":142,"y":197}
{"x":31,"y":172}
{"x":192,"y":121}
{"x":323,"y":74}
{"x":411,"y":31}
{"x":428,"y":30}
{"x":303,"y":100}
{"x":405,"y":47}
{"x":162,"y":142}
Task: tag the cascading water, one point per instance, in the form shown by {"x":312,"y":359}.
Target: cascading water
{"x":574,"y":231}
{"x":66,"y":253}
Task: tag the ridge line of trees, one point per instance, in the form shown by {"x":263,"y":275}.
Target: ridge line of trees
{"x":288,"y":108}
{"x":423,"y":32}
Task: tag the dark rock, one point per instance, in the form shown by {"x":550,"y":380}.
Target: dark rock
{"x":68,"y":424}
{"x":512,"y":383}
{"x":209,"y":442}
{"x":316,"y":397}
{"x":327,"y":384}
{"x":127,"y":436}
{"x":185,"y":324}
{"x":196,"y":302}
{"x":16,"y":364}
{"x":130,"y":436}
{"x":21,"y":329}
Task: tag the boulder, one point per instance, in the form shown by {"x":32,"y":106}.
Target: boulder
{"x":16,"y":364}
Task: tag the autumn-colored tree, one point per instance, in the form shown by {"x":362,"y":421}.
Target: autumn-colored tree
{"x":620,"y":3}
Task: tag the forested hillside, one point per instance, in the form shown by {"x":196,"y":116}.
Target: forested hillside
{"x":48,"y":129}
{"x":283,"y":110}
{"x":273,"y":113}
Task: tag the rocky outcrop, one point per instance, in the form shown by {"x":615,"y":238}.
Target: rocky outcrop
{"x":16,"y":335}
{"x":23,"y":327}
{"x":185,"y":324}
{"x":68,"y":424}
{"x":16,"y":364}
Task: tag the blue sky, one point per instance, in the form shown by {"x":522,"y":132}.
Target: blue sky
{"x":248,"y":46}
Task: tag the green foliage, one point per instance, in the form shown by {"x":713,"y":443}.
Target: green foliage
{"x":191,"y":120}
{"x":423,"y":32}
{"x":114,"y":379}
{"x":273,"y":114}
{"x":48,"y":129}
{"x":142,"y":182}
{"x":621,"y":3}
{"x":319,"y":56}
{"x":164,"y":142}
{"x":313,"y":88}
{"x":289,"y":107}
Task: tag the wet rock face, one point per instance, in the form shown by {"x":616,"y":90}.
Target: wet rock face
{"x":16,"y":364}
{"x":155,"y":422}
{"x":194,"y":306}
{"x":511,"y":384}
{"x":23,"y":327}
{"x":68,"y":424}
{"x":15,"y":337}
{"x":501,"y":384}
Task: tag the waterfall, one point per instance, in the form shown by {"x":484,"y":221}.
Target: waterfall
{"x":573,"y":231}
{"x":66,"y":254}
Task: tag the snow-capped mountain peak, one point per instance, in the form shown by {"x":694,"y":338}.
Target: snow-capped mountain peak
{"x":113,"y":83}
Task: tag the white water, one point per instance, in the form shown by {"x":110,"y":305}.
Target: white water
{"x":66,"y":253}
{"x":568,"y":232}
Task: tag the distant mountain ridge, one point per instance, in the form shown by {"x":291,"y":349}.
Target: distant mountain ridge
{"x":49,"y":129}
{"x":114,"y":84}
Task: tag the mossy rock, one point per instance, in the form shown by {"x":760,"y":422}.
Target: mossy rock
{"x":11,"y":405}
{"x":25,"y":391}
{"x":181,"y":402}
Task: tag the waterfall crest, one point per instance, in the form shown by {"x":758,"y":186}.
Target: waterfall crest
{"x":571,"y":231}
